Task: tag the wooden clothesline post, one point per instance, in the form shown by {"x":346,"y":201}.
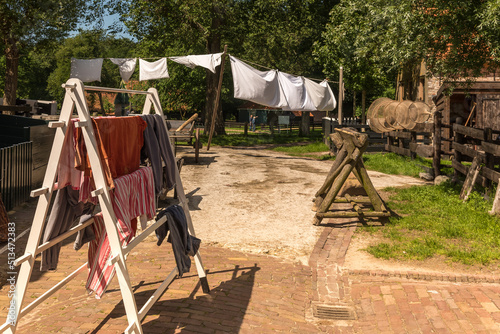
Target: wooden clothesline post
{"x":217,"y":98}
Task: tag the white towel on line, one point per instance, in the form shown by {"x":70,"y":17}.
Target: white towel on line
{"x":208,"y":61}
{"x":256,"y":86}
{"x":87,"y":70}
{"x":126,"y":66}
{"x":153,"y":70}
{"x":295,"y":92}
{"x":321,"y":95}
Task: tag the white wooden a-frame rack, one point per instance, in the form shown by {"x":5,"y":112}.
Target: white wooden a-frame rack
{"x":75,"y":98}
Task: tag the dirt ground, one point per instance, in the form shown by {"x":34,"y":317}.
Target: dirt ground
{"x":258,"y":200}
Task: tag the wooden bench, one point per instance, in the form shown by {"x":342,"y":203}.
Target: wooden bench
{"x":185,"y":131}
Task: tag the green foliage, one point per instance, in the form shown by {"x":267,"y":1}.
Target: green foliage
{"x":391,"y":163}
{"x":88,"y":44}
{"x":433,"y":221}
{"x":373,"y":39}
{"x":300,"y":149}
{"x":253,"y":139}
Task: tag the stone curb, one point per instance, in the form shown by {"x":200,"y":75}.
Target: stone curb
{"x":425,"y":276}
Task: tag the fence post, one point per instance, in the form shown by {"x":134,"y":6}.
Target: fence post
{"x":413,"y":143}
{"x":490,"y":158}
{"x":436,"y":161}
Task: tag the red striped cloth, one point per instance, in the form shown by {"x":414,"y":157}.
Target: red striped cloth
{"x":133,"y":196}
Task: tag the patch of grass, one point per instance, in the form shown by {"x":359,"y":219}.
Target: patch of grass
{"x":301,"y":149}
{"x":432,"y":220}
{"x":254,"y":139}
{"x":391,"y":163}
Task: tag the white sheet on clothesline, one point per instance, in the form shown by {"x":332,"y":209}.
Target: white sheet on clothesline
{"x":261,"y":87}
{"x":208,"y":61}
{"x":279,"y":89}
{"x":126,"y":66}
{"x":153,"y":70}
{"x":321,"y":95}
{"x":87,"y":70}
{"x":295,"y":92}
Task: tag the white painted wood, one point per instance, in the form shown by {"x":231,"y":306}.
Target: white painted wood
{"x":58,"y":124}
{"x":63,"y":236}
{"x":21,"y":259}
{"x":75,"y":98}
{"x":39,"y":192}
{"x":157,"y":294}
{"x":41,"y":211}
{"x":52,"y":290}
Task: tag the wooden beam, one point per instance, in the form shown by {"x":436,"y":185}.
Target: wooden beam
{"x":217,"y":98}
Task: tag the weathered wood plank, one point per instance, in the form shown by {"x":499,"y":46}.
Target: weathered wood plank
{"x":465,"y":150}
{"x":471,"y":132}
{"x":398,"y":150}
{"x":470,"y":180}
{"x":490,"y":174}
{"x":459,"y":167}
{"x":400,"y":134}
{"x":491,"y":148}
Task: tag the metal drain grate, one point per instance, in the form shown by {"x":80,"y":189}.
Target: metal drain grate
{"x":334,"y":312}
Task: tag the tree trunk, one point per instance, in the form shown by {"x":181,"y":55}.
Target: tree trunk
{"x":354,"y":105}
{"x":363,"y":107}
{"x":304,"y":124}
{"x":11,"y":72}
{"x":214,"y":46}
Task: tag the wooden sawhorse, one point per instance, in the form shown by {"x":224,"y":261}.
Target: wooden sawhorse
{"x":351,"y":145}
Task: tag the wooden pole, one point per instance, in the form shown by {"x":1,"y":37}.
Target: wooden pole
{"x":363,"y":106}
{"x":217,"y":98}
{"x":436,"y":161}
{"x":341,"y":93}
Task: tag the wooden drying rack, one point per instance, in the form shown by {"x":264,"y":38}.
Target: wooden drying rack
{"x":75,"y":98}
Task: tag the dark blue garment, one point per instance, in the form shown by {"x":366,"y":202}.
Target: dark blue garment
{"x":183,"y":244}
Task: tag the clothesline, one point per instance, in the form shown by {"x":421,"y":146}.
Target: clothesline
{"x":268,"y":68}
{"x":179,"y":59}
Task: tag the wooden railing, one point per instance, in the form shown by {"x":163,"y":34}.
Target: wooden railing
{"x":16,"y":165}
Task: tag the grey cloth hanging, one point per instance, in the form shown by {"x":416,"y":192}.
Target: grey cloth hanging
{"x":183,"y":244}
{"x":65,"y":210}
{"x":157,"y":147}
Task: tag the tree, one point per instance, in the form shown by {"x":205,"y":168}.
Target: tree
{"x":456,"y":38}
{"x":88,"y":44}
{"x":24,"y":23}
{"x":277,"y":34}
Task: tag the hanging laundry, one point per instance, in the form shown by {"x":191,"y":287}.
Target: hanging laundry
{"x":67,"y":174}
{"x":183,"y":244}
{"x":208,"y":61}
{"x":153,"y":70}
{"x":157,"y":147}
{"x":119,"y":141}
{"x":133,"y":196}
{"x":87,"y":70}
{"x":126,"y":66}
{"x":257,"y":86}
{"x":321,"y":95}
{"x":295,"y":92}
{"x":65,"y":210}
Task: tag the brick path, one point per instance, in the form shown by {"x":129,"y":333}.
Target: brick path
{"x":399,"y":302}
{"x":262,"y":294}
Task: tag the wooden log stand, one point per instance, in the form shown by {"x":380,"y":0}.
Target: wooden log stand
{"x":351,"y":145}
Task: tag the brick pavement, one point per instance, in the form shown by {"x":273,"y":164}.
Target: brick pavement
{"x":262,"y":294}
{"x":399,"y":302}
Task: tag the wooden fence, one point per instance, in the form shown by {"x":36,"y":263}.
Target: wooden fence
{"x":16,"y":165}
{"x":411,"y":143}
